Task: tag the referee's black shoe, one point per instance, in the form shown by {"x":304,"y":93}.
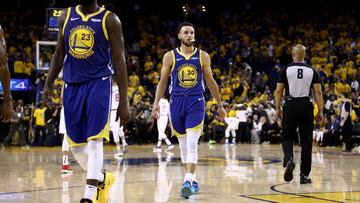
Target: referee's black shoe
{"x":305,"y":179}
{"x":288,"y":175}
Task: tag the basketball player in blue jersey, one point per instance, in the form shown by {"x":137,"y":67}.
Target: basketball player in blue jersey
{"x":6,"y":108}
{"x":188,"y":67}
{"x":90,"y":41}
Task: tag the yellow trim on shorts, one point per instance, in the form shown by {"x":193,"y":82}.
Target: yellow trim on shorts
{"x":74,"y":144}
{"x":197,"y":128}
{"x":173,"y":59}
{"x":86,"y":18}
{"x":174,"y":132}
{"x":104,"y":25}
{"x":200,"y":58}
{"x":105,"y":133}
{"x":66,"y":20}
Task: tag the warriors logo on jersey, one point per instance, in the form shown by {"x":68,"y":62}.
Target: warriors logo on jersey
{"x":81,"y":41}
{"x":187,"y":76}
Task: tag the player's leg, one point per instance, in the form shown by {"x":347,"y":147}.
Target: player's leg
{"x":164,"y":122}
{"x":65,"y":144}
{"x":123,"y":140}
{"x":94,"y":175}
{"x":194,"y":126}
{"x":81,"y":155}
{"x":65,"y":152}
{"x":227,"y":134}
{"x":115,"y":132}
{"x":97,"y":128}
{"x":192,"y":158}
{"x":233,"y":135}
{"x":115,"y":129}
{"x":75,"y":111}
{"x":157,"y":148}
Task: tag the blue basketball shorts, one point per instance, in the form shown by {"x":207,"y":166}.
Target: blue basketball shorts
{"x":86,"y":109}
{"x":187,"y":113}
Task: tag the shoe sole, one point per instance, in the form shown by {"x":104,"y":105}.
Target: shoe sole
{"x":186,"y":192}
{"x":66,"y":171}
{"x":288,"y":176}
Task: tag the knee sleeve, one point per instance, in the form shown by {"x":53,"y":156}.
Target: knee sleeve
{"x":95,"y":159}
{"x":81,"y":155}
{"x":192,"y":139}
{"x":183,"y":148}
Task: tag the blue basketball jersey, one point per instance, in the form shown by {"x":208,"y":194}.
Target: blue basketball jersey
{"x":87,"y":46}
{"x":186,"y":74}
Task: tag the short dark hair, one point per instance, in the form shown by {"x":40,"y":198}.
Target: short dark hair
{"x":184,"y":24}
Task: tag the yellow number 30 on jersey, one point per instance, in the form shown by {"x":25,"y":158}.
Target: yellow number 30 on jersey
{"x":187,"y":76}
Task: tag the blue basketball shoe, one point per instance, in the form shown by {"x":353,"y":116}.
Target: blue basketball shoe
{"x":186,"y":189}
{"x":195,"y":187}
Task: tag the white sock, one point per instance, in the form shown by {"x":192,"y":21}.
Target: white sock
{"x":189,"y":177}
{"x":158,"y":144}
{"x":118,"y":147}
{"x":90,"y":191}
{"x":194,"y":178}
{"x":167,"y":141}
{"x":226,"y":140}
{"x":65,"y":160}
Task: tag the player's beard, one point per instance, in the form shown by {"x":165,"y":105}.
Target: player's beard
{"x":187,"y":43}
{"x":85,"y":2}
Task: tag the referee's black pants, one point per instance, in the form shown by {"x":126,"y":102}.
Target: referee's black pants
{"x":346,"y":131}
{"x":298,"y":113}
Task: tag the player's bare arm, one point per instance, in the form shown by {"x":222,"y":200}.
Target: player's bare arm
{"x":3,"y":55}
{"x":211,"y":83}
{"x":57,"y":58}
{"x":278,"y":98}
{"x":161,"y":87}
{"x":6,"y":111}
{"x":116,"y":41}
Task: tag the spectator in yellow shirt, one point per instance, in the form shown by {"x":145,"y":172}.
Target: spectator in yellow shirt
{"x":39,"y":118}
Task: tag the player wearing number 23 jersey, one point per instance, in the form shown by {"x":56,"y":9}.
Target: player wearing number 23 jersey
{"x":87,"y":70}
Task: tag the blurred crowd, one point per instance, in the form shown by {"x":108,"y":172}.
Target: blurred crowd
{"x":247,"y":50}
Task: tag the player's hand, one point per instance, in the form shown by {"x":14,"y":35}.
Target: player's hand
{"x":279,"y":113}
{"x":6,"y":111}
{"x":123,"y":112}
{"x":222,"y":113}
{"x":46,"y":94}
{"x":155,"y":110}
{"x":320,"y":118}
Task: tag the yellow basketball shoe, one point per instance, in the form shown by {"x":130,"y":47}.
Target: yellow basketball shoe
{"x":103,"y":189}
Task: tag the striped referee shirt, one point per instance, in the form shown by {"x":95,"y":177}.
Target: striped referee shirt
{"x":298,"y":77}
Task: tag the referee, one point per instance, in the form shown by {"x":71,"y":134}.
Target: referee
{"x":298,"y":78}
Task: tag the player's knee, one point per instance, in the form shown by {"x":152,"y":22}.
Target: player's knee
{"x":192,"y":157}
